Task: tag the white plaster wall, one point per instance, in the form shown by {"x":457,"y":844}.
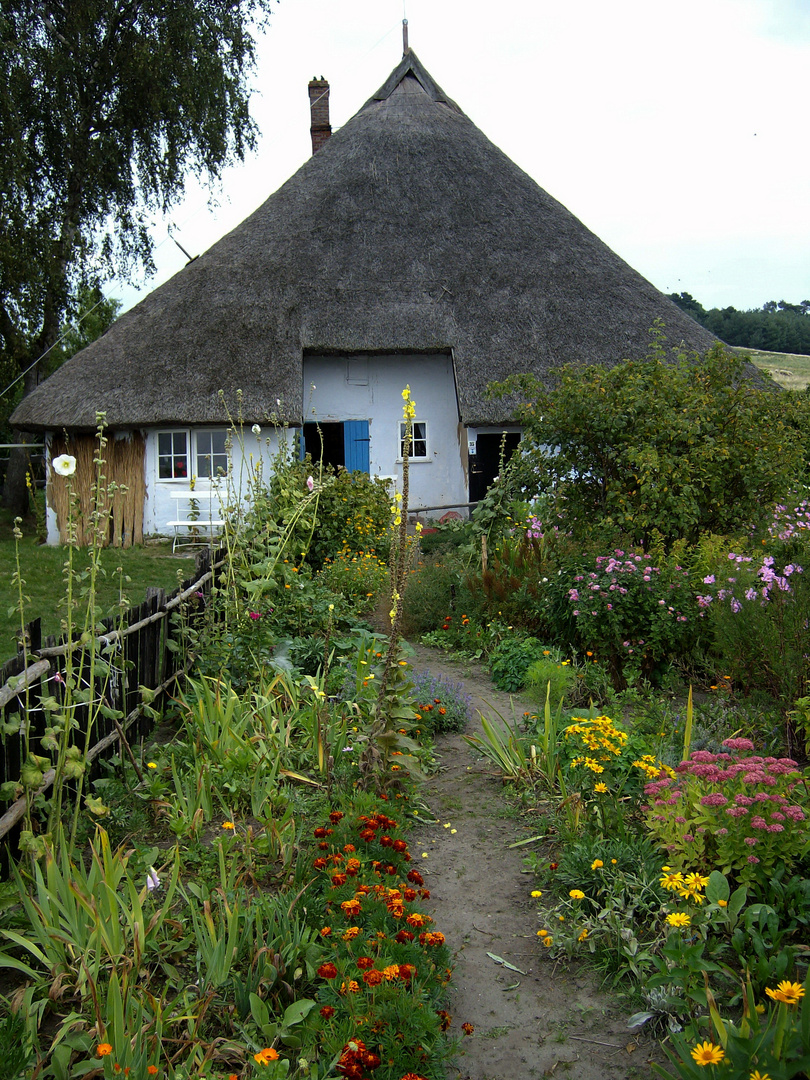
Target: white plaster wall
{"x":369,"y":387}
{"x":248,"y":453}
{"x":159,"y":508}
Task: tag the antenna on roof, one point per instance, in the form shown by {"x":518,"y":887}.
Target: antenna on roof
{"x":404,"y":37}
{"x":190,"y":258}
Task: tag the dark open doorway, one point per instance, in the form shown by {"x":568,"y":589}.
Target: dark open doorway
{"x":486,"y":463}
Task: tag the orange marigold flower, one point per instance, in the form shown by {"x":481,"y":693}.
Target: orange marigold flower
{"x":338,"y":880}
{"x":327,"y":970}
{"x":336,"y":816}
{"x":415,"y":877}
{"x":391,"y":972}
{"x":264,"y":1057}
{"x":103,"y":1049}
{"x":351,"y":907}
{"x":467,"y":1028}
{"x":327,"y":1012}
{"x":373,"y":977}
{"x":406,"y":972}
{"x":349,"y":987}
{"x":445,"y":1019}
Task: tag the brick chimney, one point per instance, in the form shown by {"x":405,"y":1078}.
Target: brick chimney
{"x":320,"y":128}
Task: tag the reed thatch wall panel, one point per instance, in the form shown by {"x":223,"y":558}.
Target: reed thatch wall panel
{"x":123,"y":488}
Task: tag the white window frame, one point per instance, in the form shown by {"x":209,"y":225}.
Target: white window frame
{"x":414,"y":440}
{"x":173,"y":433}
{"x":210,"y":455}
{"x":193,"y":453}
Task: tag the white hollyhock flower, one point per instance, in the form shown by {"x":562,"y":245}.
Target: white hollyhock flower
{"x":256,"y":429}
{"x":65,"y":465}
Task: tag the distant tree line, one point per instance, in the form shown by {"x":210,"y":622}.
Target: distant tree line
{"x":775,"y":327}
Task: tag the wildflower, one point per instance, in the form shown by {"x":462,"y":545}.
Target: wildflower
{"x":152,"y":1070}
{"x":542,"y":933}
{"x":601,"y":789}
{"x":577,"y":894}
{"x":583,"y":935}
{"x":310,"y":483}
{"x":672,"y":880}
{"x":152,"y":880}
{"x":103,"y":1049}
{"x":548,"y":942}
{"x":151,"y":765}
{"x":264,"y":1057}
{"x":679,"y":918}
{"x":228,"y":825}
{"x":707,"y":1053}
{"x":788,"y":992}
{"x":256,"y":429}
{"x":536,"y":893}
{"x":467,"y":1028}
{"x":597,"y":864}
{"x":65,"y":465}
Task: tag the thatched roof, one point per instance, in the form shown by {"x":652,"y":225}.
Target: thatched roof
{"x":408,"y":231}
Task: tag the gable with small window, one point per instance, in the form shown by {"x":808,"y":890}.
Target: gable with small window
{"x":200,"y":453}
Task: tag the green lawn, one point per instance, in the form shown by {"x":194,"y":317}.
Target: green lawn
{"x":788,"y":369}
{"x":43,"y":568}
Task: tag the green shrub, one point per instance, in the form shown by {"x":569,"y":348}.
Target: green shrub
{"x":678,"y":443}
{"x":510,"y":660}
{"x":550,"y":674}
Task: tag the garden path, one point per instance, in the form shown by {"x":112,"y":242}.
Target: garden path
{"x":547,"y":1017}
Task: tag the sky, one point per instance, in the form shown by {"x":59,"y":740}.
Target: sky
{"x":673,"y":131}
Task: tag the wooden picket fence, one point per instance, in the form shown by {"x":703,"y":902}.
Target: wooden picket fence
{"x":144,"y":652}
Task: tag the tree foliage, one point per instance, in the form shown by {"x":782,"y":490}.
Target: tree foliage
{"x":676,"y":445}
{"x":105,"y":107}
{"x":775,"y":327}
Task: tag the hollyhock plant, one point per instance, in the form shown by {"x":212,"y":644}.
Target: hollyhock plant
{"x":734,"y":811}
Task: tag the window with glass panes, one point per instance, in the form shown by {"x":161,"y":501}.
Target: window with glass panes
{"x":212,"y":454}
{"x":418,"y":449}
{"x":173,"y":455}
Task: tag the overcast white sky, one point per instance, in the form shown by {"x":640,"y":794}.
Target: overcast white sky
{"x":675,"y":131}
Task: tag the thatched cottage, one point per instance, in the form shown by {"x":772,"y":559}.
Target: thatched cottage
{"x":407,"y":249}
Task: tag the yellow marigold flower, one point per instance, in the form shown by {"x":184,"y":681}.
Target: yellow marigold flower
{"x":536,"y":893}
{"x":350,"y":987}
{"x":707,"y":1053}
{"x":542,"y":933}
{"x":597,"y":864}
{"x":679,"y":918}
{"x":577,"y":894}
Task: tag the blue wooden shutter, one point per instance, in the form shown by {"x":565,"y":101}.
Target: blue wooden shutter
{"x":356,"y":445}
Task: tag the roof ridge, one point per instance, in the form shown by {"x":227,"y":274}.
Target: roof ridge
{"x":410,"y":64}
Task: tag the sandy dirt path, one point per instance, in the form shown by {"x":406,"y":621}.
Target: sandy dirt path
{"x":545,"y":1019}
